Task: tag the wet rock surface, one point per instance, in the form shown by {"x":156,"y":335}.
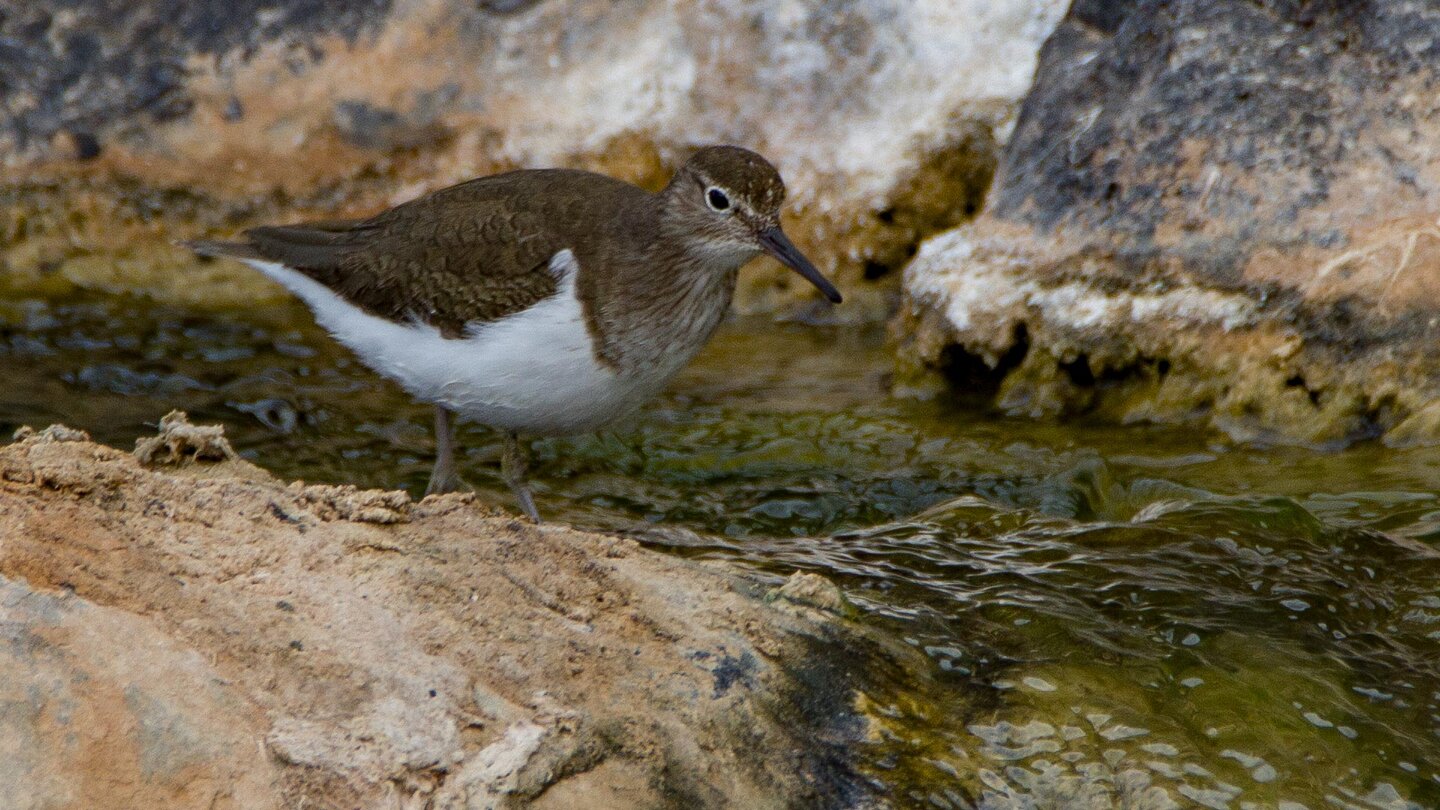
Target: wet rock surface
{"x":885,"y":117}
{"x":1208,"y":213}
{"x":103,"y":709}
{"x":182,"y":639}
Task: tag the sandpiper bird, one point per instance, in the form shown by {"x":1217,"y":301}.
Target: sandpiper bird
{"x":538,"y":302}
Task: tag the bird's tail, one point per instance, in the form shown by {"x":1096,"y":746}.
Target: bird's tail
{"x":233,"y":250}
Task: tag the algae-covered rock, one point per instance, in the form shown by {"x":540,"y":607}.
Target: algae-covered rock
{"x":884,"y":116}
{"x":1207,"y":213}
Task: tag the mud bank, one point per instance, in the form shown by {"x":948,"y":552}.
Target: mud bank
{"x":204,"y":635}
{"x":1207,"y":214}
{"x":884,"y":116}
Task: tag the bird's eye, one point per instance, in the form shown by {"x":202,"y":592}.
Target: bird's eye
{"x":717,"y":199}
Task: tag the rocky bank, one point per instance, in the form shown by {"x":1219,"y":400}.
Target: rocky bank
{"x":126,"y":125}
{"x":1209,"y":213}
{"x":198,"y":634}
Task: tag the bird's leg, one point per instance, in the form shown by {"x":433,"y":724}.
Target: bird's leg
{"x":515,"y":469}
{"x":443,"y":477}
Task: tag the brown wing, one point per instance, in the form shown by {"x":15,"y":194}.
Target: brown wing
{"x":463,"y":254}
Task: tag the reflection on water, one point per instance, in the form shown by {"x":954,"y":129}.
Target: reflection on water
{"x":1116,"y":617}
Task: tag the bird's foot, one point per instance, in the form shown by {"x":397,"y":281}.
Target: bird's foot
{"x":445,"y":482}
{"x":527,"y":502}
{"x":515,"y":468}
{"x":444,"y":479}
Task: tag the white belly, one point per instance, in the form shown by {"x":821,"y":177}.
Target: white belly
{"x":532,"y":372}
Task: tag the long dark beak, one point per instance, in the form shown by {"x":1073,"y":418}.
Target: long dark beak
{"x":777,"y":244}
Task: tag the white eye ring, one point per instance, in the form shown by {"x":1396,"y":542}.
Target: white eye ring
{"x":717,"y":199}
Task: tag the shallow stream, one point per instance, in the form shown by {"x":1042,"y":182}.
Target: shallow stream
{"x":1134,"y":617}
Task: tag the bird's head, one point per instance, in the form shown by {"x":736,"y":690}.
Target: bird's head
{"x":726,"y":200}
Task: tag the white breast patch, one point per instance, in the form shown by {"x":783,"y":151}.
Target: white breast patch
{"x":532,"y":372}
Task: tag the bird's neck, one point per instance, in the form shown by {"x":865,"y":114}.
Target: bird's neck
{"x":675,"y":294}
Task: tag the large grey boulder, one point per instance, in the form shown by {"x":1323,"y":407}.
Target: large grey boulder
{"x":1209,"y":212}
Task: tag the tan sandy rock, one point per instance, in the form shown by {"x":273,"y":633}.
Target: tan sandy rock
{"x":179,"y":441}
{"x":103,"y":709}
{"x":295,"y":646}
